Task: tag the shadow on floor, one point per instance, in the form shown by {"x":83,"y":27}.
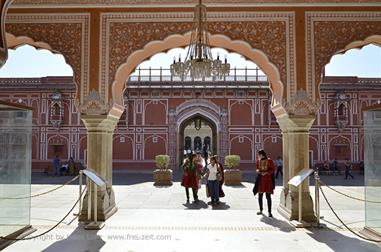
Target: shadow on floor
{"x":281,"y":225}
{"x":196,"y":205}
{"x":339,"y":242}
{"x":78,"y":240}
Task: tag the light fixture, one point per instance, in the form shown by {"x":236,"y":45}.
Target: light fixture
{"x":199,"y":63}
{"x":197,"y":123}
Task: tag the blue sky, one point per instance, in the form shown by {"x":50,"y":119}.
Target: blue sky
{"x":26,"y":61}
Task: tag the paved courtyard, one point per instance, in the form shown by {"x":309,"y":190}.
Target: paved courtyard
{"x":158,"y":219}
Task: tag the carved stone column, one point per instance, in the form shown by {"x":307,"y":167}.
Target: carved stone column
{"x":295,"y":128}
{"x":172,"y":140}
{"x":100,"y":129}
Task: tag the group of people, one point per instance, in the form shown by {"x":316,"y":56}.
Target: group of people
{"x":67,"y":167}
{"x":194,"y":172}
{"x":334,"y":168}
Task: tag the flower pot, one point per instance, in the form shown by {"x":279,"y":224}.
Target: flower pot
{"x":232,"y":177}
{"x":162,"y":177}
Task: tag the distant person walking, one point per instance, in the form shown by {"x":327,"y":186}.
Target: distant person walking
{"x":279,"y":167}
{"x":265,"y":180}
{"x":57,"y":166}
{"x":335,"y":167}
{"x":348,"y":168}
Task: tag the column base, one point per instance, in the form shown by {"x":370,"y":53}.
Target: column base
{"x":105,"y":209}
{"x":289,"y":206}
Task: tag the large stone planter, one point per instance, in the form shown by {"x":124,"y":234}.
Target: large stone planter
{"x":232,"y":177}
{"x":162,"y":177}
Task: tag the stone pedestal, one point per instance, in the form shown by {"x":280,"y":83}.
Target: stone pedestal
{"x":162,"y":177}
{"x":232,"y":177}
{"x":295,"y":158}
{"x":100,"y":129}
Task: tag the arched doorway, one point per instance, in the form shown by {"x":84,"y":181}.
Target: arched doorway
{"x":197,"y":133}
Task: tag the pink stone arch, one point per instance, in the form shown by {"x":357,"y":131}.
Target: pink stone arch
{"x":173,"y":41}
{"x":14,"y":42}
{"x":374,"y":39}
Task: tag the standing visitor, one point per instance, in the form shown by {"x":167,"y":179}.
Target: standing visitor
{"x":57,"y":166}
{"x":335,"y":167}
{"x":279,"y":167}
{"x":191,"y":177}
{"x":213,"y":174}
{"x":265,"y":180}
{"x":221,"y":179}
{"x":348,"y":168}
{"x":71,"y":166}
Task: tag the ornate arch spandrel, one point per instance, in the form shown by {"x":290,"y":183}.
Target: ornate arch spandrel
{"x":123,"y":34}
{"x":67,"y":34}
{"x":330,"y":33}
{"x":3,"y":42}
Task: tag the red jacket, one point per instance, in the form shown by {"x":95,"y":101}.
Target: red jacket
{"x":266,"y":183}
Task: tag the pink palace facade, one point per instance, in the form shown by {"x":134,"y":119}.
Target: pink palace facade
{"x":160,"y":114}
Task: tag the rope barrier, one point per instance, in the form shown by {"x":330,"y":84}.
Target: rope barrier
{"x":349,"y":229}
{"x":346,"y":195}
{"x":39,"y":194}
{"x":36,"y":236}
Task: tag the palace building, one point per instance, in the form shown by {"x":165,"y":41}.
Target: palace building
{"x":163,"y":116}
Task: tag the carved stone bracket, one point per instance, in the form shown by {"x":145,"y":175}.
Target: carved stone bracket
{"x":93,"y":104}
{"x":302,"y":105}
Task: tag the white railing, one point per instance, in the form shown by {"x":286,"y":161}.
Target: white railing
{"x":164,"y":75}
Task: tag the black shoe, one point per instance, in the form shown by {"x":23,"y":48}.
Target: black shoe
{"x":270,"y":215}
{"x":259,"y":213}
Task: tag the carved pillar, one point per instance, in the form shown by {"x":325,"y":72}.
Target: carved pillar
{"x":224,"y":145}
{"x":295,"y":128}
{"x":100,"y":119}
{"x":172,"y":139}
{"x":100,"y":129}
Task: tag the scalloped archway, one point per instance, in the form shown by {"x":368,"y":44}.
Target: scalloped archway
{"x":218,"y":40}
{"x":14,"y":42}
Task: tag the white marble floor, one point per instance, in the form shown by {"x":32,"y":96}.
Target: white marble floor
{"x":157,"y":219}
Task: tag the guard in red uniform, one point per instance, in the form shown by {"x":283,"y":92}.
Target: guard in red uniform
{"x":191,"y":176}
{"x":265,"y":180}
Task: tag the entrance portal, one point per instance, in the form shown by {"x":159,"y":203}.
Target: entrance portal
{"x":198,"y":133}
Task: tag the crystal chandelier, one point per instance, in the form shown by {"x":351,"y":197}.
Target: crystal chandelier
{"x":199,"y":63}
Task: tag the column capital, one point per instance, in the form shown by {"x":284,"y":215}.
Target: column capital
{"x":291,"y":123}
{"x":100,"y":123}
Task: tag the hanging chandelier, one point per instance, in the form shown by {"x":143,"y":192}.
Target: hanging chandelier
{"x":199,"y":63}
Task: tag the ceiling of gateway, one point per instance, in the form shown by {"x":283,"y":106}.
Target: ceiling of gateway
{"x":182,"y":3}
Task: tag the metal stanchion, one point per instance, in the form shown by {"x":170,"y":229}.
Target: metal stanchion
{"x":88,"y":199}
{"x":95,"y":224}
{"x":80,"y":194}
{"x":317,"y":199}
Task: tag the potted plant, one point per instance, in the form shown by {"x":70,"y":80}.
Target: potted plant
{"x":162,"y":176}
{"x":232,"y":173}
